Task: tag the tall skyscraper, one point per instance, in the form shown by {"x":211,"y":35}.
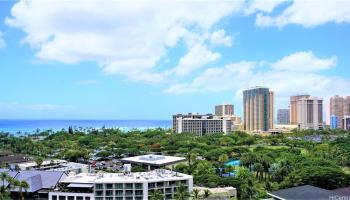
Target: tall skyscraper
{"x":283,"y":116}
{"x":224,"y":109}
{"x":293,"y":108}
{"x":339,"y":107}
{"x":310,"y":112}
{"x":258,"y":106}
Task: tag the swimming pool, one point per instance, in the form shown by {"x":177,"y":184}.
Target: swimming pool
{"x":233,"y":163}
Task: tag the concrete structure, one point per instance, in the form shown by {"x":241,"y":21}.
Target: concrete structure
{"x":293,"y":108}
{"x":54,"y":165}
{"x":201,"y":124}
{"x":258,"y":106}
{"x":305,"y":192}
{"x":283,"y":116}
{"x":334,"y":122}
{"x":224,"y":110}
{"x":121,"y":186}
{"x":153,"y":161}
{"x":310,"y":112}
{"x":339,"y":107}
{"x":346,"y":123}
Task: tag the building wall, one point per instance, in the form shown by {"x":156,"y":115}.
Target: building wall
{"x":258,"y":106}
{"x":346,"y":123}
{"x":310,"y":113}
{"x":283,"y":116}
{"x":225,"y":109}
{"x":70,"y":196}
{"x":339,"y":107}
{"x":293,"y":108}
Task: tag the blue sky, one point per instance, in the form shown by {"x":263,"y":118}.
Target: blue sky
{"x":149,"y":60}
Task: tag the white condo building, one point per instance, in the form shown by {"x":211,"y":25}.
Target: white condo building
{"x":121,"y":186}
{"x":201,"y":124}
{"x":310,"y":113}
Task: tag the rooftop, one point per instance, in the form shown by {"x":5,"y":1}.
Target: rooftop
{"x":305,"y":192}
{"x":151,"y":159}
{"x":31,"y":164}
{"x":152,"y":176}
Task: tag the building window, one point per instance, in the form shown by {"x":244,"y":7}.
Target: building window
{"x":119,"y":192}
{"x":54,"y":197}
{"x":70,"y":197}
{"x":109,"y":193}
{"x":129,"y":198}
{"x":151,"y":185}
{"x":86,"y":198}
{"x":62,"y":197}
{"x":128,"y":192}
{"x":138,"y":186}
{"x":160,"y":184}
{"x":99,"y":193}
{"x":109,"y":198}
{"x":99,"y":198}
{"x":128,"y":186}
{"x":119,"y":185}
{"x":109,"y":186}
{"x":99,"y":186}
{"x":119,"y":198}
{"x":138,"y":198}
{"x":139,"y":192}
{"x":81,"y":198}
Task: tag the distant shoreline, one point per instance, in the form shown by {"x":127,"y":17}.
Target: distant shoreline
{"x":30,"y":126}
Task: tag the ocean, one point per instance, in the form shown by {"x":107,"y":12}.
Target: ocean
{"x":31,"y":126}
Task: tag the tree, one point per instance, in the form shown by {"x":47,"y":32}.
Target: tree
{"x":157,"y":195}
{"x":181,"y":193}
{"x":3,"y":177}
{"x":195,"y":193}
{"x":39,"y":161}
{"x":259,"y":169}
{"x":21,"y":185}
{"x":207,"y":193}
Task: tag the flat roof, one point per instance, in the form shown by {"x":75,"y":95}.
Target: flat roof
{"x":45,"y":162}
{"x":158,"y":175}
{"x":155,"y":160}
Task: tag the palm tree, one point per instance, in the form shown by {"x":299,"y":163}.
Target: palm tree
{"x":207,"y":193}
{"x":181,"y":193}
{"x":157,"y":195}
{"x":3,"y":177}
{"x":39,"y":161}
{"x":195,"y":193}
{"x":21,"y":185}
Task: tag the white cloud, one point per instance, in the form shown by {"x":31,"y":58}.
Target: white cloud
{"x":197,"y":57}
{"x":123,"y":37}
{"x":220,"y":38}
{"x":266,"y":6}
{"x":2,"y":41}
{"x":309,"y":13}
{"x":242,"y":75}
{"x":304,"y":61}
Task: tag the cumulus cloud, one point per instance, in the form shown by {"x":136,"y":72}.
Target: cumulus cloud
{"x":242,"y":75}
{"x":266,"y":6}
{"x":308,"y":14}
{"x":197,"y":57}
{"x":123,"y":37}
{"x":220,"y":38}
{"x":304,"y":61}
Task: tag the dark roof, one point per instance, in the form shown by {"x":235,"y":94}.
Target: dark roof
{"x":343,"y":191}
{"x":12,"y":159}
{"x":305,"y":192}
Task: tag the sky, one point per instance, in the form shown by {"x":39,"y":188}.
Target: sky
{"x":148,"y":59}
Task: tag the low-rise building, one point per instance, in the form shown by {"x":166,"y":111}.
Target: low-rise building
{"x":201,"y":124}
{"x":152,"y":161}
{"x":54,"y":165}
{"x":121,"y":186}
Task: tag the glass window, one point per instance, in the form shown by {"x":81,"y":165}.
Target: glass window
{"x":109,"y":192}
{"x":70,"y":197}
{"x":138,"y":185}
{"x":99,"y":193}
{"x":129,"y":198}
{"x":128,"y":185}
{"x":99,"y":198}
{"x":160,"y":184}
{"x":99,"y":186}
{"x":139,"y":192}
{"x":62,"y":197}
{"x":119,"y":185}
{"x":119,"y":198}
{"x":109,"y":186}
{"x":87,"y":198}
{"x":128,"y":192}
{"x":109,"y":198}
{"x":119,"y":192}
{"x":80,"y":198}
{"x":54,"y":197}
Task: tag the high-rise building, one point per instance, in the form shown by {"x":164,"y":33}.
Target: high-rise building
{"x":334,"y":122}
{"x":258,"y":106}
{"x":283,"y":116}
{"x":293,"y":108}
{"x":346,"y":123}
{"x":339,"y":107}
{"x":310,"y":112}
{"x":224,"y":109}
{"x":201,"y":124}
